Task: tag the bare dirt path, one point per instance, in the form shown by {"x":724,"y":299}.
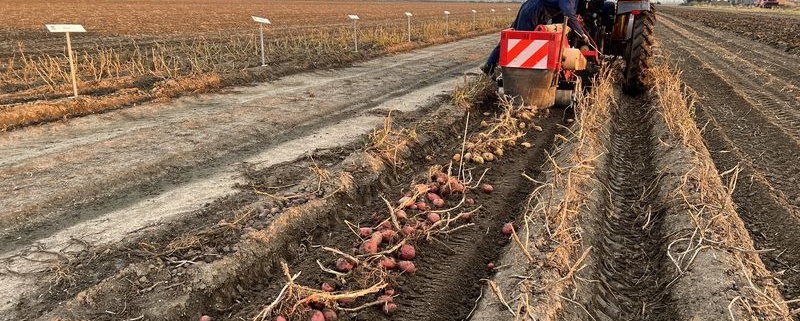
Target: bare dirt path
{"x":749,"y":108}
{"x":104,"y":178}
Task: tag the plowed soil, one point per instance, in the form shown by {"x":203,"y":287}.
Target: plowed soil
{"x":749,"y":109}
{"x":210,"y":205}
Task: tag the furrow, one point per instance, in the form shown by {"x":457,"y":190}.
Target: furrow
{"x":631,"y":286}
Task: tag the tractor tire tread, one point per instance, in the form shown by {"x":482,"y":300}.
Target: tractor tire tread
{"x":639,"y":54}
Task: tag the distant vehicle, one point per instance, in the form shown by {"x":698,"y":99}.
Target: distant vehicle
{"x":766,"y":3}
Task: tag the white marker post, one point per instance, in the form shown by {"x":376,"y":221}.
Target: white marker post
{"x":508,"y":14}
{"x":446,"y":22}
{"x":67,"y":29}
{"x":261,"y":22}
{"x":408,"y":15}
{"x":474,"y":20}
{"x":355,"y":29}
{"x":494,"y":18}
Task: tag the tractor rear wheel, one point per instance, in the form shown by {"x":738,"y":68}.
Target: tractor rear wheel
{"x":639,"y":54}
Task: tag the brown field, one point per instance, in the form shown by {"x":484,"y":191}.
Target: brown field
{"x":402,"y":186}
{"x":139,"y":50}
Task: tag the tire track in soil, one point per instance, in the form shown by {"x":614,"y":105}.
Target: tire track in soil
{"x":737,"y":134}
{"x":631,"y":253}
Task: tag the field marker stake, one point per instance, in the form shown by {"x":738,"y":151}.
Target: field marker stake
{"x":355,"y":29}
{"x":494,"y":19}
{"x":408,"y":14}
{"x":474,"y":20}
{"x":446,"y":22}
{"x":67,"y":29}
{"x":508,"y":14}
{"x":261,"y":22}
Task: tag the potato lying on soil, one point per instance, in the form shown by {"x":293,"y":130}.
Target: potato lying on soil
{"x":508,"y":228}
{"x":343,"y":265}
{"x":389,"y":308}
{"x":388,"y":263}
{"x":407,"y":252}
{"x":329,"y":315}
{"x":433,"y":217}
{"x":407,"y":266}
{"x":364,"y":232}
{"x":317,"y":316}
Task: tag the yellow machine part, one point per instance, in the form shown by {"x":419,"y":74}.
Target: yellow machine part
{"x":555,"y":28}
{"x":572,"y":59}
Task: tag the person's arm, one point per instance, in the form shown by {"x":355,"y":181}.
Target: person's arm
{"x":569,"y":8}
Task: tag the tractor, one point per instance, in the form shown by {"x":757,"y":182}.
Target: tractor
{"x":547,"y":67}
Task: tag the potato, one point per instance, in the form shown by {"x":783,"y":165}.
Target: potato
{"x":489,"y":157}
{"x":422,"y":206}
{"x":330,"y":315}
{"x":389,"y":308}
{"x":376,"y":237}
{"x":388,"y":236}
{"x":433,"y":188}
{"x":457,"y":158}
{"x":278,"y":318}
{"x":408,"y":230}
{"x":487,"y":188}
{"x":369,"y":247}
{"x":386,"y":298}
{"x":433,"y":196}
{"x":477,"y":159}
{"x":498,"y":152}
{"x":407,"y":267}
{"x":400,"y":214}
{"x":536,"y":128}
{"x":388,"y":263}
{"x":205,"y":318}
{"x":468,"y":156}
{"x":470,"y":201}
{"x":433,"y":217}
{"x":327,"y":287}
{"x":467,"y":217}
{"x":490,"y":266}
{"x":438,"y":203}
{"x":364,"y":232}
{"x":389,"y":292}
{"x":407,"y":252}
{"x":405,"y":201}
{"x":343,"y":265}
{"x":526,"y":144}
{"x":508,"y":229}
{"x":317,"y":316}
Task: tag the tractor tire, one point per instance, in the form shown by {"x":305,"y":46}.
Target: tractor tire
{"x":639,"y":54}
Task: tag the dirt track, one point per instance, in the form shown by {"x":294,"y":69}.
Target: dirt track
{"x":748,"y":108}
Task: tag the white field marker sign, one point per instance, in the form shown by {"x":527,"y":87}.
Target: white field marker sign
{"x":355,"y":29}
{"x":494,"y":18}
{"x":508,"y":13}
{"x":67,"y":29}
{"x":474,"y":20}
{"x":261,"y":23}
{"x":408,"y":15}
{"x":446,"y":22}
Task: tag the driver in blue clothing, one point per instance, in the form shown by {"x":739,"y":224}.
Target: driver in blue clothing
{"x":533,"y":13}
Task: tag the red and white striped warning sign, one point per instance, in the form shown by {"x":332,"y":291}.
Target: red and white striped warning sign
{"x":525,"y":53}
